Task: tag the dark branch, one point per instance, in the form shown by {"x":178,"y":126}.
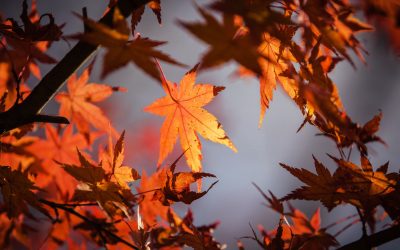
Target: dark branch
{"x":22,"y":113}
{"x":375,"y":239}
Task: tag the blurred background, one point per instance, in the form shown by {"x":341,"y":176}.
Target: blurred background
{"x":234,"y":201}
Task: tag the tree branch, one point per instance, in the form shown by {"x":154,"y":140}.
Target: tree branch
{"x":25,"y":112}
{"x":375,"y":239}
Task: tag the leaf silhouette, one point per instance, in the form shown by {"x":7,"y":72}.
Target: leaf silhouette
{"x":224,"y":42}
{"x":360,"y":186}
{"x":18,"y":192}
{"x":120,"y":50}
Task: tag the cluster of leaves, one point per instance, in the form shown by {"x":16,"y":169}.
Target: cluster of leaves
{"x":54,"y":178}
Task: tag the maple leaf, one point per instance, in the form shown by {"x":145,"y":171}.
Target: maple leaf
{"x":303,"y":225}
{"x":335,"y":123}
{"x":185,"y":116}
{"x":151,"y":208}
{"x":370,"y":183}
{"x":321,"y":186}
{"x":307,"y":233}
{"x":112,"y":162}
{"x":14,"y":152}
{"x":321,"y":18}
{"x":268,"y":61}
{"x":273,"y":67}
{"x":177,"y":186}
{"x":33,"y":30}
{"x":274,"y":63}
{"x":18,"y":192}
{"x":155,"y":6}
{"x":361,"y":187}
{"x":61,"y":148}
{"x":184,"y":233}
{"x":95,"y":186}
{"x":30,"y":43}
{"x":224,"y":43}
{"x":302,"y":233}
{"x":78,"y":104}
{"x":26,"y":56}
{"x":121,"y":51}
{"x":136,"y":17}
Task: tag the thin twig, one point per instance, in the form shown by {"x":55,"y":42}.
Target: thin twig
{"x":346,"y":227}
{"x":349,"y":154}
{"x":340,"y":221}
{"x":362,"y":218}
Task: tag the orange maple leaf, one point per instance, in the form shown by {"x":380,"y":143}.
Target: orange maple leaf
{"x":306,"y":232}
{"x":61,"y":148}
{"x":78,"y":104}
{"x":14,"y":152}
{"x":185,"y":116}
{"x":274,"y":61}
{"x":151,"y":208}
{"x":112,"y":162}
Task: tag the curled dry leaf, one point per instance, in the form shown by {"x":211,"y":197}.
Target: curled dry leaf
{"x":177,"y":188}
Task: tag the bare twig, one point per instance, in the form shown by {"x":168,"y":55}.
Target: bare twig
{"x":363,"y":222}
{"x":346,"y":227}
